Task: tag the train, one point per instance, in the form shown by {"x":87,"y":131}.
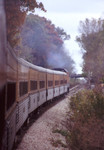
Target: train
{"x":28,"y":87}
{"x":23,"y":88}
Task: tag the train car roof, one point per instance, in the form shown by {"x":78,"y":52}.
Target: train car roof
{"x":23,"y":62}
{"x":38,"y":68}
{"x":56,"y":72}
{"x":30,"y":65}
{"x":50,"y":71}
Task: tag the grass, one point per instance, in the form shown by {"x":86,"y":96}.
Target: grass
{"x":62,"y":132}
{"x":57,"y":143}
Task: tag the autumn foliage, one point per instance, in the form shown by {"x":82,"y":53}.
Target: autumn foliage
{"x":16,"y":11}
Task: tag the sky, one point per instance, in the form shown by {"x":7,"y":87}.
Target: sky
{"x":67,"y":14}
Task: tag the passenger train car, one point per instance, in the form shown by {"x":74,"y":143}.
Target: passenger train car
{"x":23,"y":88}
{"x":28,"y":87}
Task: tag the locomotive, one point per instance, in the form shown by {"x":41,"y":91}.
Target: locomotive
{"x":23,"y":88}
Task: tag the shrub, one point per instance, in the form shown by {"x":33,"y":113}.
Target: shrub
{"x":85,"y":121}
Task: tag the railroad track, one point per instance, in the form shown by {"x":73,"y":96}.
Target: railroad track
{"x":75,"y":90}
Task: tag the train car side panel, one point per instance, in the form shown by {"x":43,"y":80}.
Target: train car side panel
{"x":23,"y":94}
{"x":21,"y":113}
{"x":10,"y":130}
{"x":56,"y":85}
{"x":33,"y":102}
{"x":65,"y":83}
{"x":34,"y":89}
{"x":50,"y":94}
{"x":42,"y":88}
{"x":50,"y":78}
{"x":61,"y":84}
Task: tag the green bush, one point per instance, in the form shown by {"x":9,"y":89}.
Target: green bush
{"x":85,"y":121}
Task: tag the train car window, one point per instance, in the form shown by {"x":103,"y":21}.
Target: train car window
{"x":11,"y":94}
{"x":65,"y":81}
{"x":23,"y":88}
{"x":50,"y":83}
{"x":61,"y":82}
{"x":56,"y":82}
{"x":33,"y":85}
{"x":42,"y":84}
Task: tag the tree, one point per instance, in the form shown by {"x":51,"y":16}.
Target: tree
{"x":91,"y":40}
{"x":62,"y":34}
{"x":16,"y":11}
